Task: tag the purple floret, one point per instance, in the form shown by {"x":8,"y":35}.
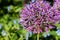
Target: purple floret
{"x":39,"y":16}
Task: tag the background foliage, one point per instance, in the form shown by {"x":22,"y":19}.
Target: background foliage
{"x":10,"y":29}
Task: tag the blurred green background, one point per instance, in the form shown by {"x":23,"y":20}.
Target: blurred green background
{"x":10,"y":28}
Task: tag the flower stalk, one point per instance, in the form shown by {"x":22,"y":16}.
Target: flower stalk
{"x":38,"y":36}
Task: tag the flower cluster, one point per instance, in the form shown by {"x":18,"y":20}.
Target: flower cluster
{"x":39,"y":16}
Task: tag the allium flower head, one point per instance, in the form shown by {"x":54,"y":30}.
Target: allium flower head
{"x":39,"y":16}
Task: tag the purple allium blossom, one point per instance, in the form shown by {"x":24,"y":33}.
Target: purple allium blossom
{"x":39,"y":16}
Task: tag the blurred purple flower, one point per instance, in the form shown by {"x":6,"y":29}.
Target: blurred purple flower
{"x":39,"y":16}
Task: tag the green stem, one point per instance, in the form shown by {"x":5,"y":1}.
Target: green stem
{"x":56,"y":38}
{"x":38,"y":36}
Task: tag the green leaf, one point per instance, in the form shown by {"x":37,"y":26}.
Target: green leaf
{"x":17,"y":10}
{"x":21,"y":37}
{"x":57,"y":25}
{"x":53,"y":33}
{"x":13,"y":36}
